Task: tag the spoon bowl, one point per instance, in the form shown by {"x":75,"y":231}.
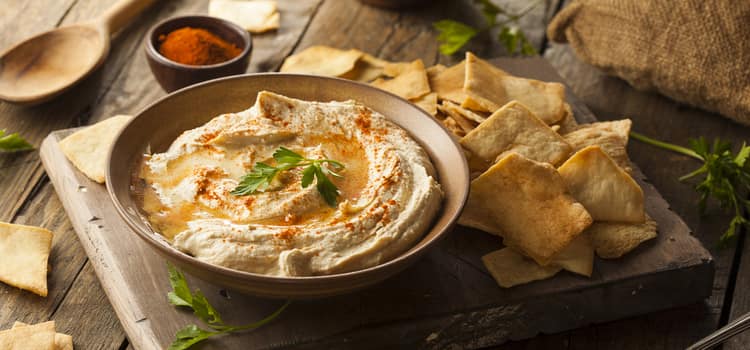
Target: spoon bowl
{"x":44,"y":66}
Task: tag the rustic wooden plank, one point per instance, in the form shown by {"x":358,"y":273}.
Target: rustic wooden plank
{"x":408,"y":35}
{"x":611,"y":98}
{"x":447,"y":299}
{"x":741,"y":296}
{"x":86,"y":314}
{"x":22,"y":19}
{"x":66,"y":260}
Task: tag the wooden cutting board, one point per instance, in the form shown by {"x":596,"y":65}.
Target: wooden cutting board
{"x":447,"y":299}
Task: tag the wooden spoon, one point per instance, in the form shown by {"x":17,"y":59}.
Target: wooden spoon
{"x":42,"y":67}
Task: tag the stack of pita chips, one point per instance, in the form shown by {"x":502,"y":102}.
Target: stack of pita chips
{"x":40,"y":336}
{"x":554,"y":190}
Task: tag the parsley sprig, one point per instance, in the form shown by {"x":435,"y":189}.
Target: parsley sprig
{"x":454,"y":35}
{"x":724,"y":177}
{"x":13,"y":142}
{"x":191,"y":334}
{"x":261,"y":176}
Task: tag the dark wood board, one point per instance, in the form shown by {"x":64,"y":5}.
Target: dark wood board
{"x":446,"y":299}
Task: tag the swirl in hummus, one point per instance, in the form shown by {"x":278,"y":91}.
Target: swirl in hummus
{"x":388,"y":193}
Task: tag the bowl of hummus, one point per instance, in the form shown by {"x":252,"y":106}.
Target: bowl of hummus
{"x":289,"y":186}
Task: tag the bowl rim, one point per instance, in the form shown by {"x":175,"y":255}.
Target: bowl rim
{"x":152,"y":51}
{"x":165,"y":248}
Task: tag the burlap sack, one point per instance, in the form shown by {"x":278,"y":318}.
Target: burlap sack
{"x":694,"y":51}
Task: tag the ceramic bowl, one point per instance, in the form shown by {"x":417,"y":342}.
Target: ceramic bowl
{"x":156,"y":127}
{"x":172,"y":75}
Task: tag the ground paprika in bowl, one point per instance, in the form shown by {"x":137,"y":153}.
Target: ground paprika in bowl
{"x":185,"y":50}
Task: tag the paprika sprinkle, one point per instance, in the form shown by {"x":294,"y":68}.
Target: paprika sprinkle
{"x":196,"y":47}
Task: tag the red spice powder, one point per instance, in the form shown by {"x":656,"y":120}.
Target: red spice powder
{"x":196,"y":47}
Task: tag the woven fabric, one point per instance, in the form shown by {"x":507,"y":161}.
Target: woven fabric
{"x":694,"y":51}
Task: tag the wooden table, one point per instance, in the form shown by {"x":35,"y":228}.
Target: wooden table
{"x":124,"y":85}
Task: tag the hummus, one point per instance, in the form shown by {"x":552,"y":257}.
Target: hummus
{"x":388,"y":192}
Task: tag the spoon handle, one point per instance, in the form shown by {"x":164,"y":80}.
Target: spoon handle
{"x":121,"y":13}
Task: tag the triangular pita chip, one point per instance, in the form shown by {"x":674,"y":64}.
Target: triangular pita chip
{"x":613,"y":240}
{"x":428,"y":103}
{"x":37,"y":337}
{"x":465,"y":113}
{"x":411,"y":83}
{"x":449,"y":83}
{"x":367,"y":69}
{"x":88,"y":148}
{"x":513,"y":128}
{"x":568,"y":123}
{"x":321,"y":60}
{"x":24,"y":251}
{"x":466,"y":124}
{"x":433,"y":71}
{"x":488,"y":88}
{"x":62,"y":341}
{"x":453,"y":126}
{"x":509,"y":268}
{"x":604,"y":189}
{"x":611,"y":136}
{"x":527,"y":203}
{"x":577,"y":257}
{"x":254,"y":16}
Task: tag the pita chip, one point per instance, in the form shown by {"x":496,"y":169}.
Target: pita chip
{"x":568,"y":123}
{"x":463,"y":112}
{"x":37,"y":337}
{"x":604,"y":189}
{"x":411,"y":82}
{"x":322,"y":60}
{"x":487,"y":88}
{"x":509,"y":268}
{"x":453,"y":126}
{"x":433,"y":71}
{"x":613,"y":240}
{"x":88,"y":148}
{"x":577,"y":257}
{"x":527,"y":203}
{"x":513,"y":128}
{"x":611,"y":136}
{"x":24,"y":251}
{"x":449,"y":83}
{"x":255,"y":16}
{"x":466,"y":124}
{"x":367,"y":69}
{"x":428,"y":103}
{"x":62,"y":341}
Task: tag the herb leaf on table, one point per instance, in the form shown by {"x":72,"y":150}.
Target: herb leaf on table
{"x":262,"y":174}
{"x":724,"y":176}
{"x":202,"y":308}
{"x":13,"y":142}
{"x":453,"y":35}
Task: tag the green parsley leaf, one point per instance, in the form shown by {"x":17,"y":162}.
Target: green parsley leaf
{"x":191,"y":334}
{"x":284,"y":155}
{"x":308,"y":175}
{"x":327,"y":189}
{"x":453,"y":35}
{"x":204,"y":310}
{"x":180,"y":294}
{"x":257,"y":180}
{"x":13,"y":142}
{"x":723,"y":177}
{"x":261,"y":176}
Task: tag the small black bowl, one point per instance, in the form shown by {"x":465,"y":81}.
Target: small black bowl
{"x":173,"y":76}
